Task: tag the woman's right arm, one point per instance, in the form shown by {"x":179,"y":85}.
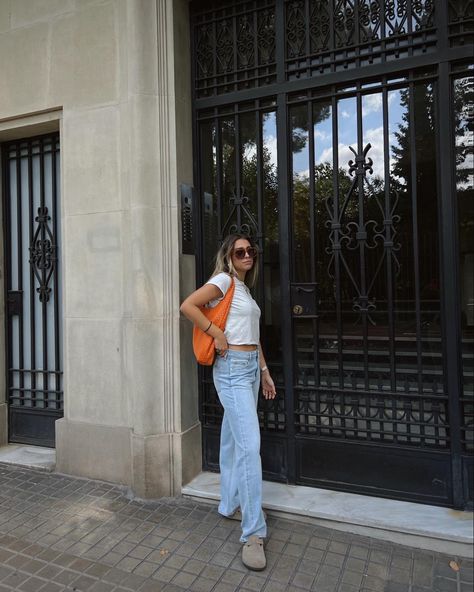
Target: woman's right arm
{"x":191,"y":310}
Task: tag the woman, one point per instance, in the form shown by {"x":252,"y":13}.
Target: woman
{"x":238,"y":369}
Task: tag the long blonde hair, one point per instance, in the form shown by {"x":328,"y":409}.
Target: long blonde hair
{"x":224,"y":259}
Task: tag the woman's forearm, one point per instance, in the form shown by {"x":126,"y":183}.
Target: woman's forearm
{"x":263,"y":364}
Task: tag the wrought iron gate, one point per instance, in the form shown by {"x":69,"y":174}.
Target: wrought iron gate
{"x":337,"y":133}
{"x":33,"y":288}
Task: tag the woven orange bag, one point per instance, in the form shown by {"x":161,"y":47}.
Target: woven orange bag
{"x":203,"y":344}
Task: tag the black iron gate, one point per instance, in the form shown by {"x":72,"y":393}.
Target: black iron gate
{"x":339,"y":134}
{"x":33,"y":288}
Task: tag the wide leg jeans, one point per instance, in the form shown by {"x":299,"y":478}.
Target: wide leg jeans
{"x":237,"y":381}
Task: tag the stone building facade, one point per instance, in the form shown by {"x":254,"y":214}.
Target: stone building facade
{"x":113,"y":78}
{"x":136,"y":134}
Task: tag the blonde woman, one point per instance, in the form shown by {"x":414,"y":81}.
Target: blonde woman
{"x":238,"y":370}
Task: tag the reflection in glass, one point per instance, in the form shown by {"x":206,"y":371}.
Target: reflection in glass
{"x":375,"y":240}
{"x":464,"y":137}
{"x":300,"y":203}
{"x":209,"y":189}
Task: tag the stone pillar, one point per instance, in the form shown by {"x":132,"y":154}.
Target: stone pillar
{"x":160,"y":441}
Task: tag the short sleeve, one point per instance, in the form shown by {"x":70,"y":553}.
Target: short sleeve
{"x":222,"y":281}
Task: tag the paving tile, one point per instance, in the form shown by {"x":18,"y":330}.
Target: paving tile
{"x":32,"y":584}
{"x":334,"y":559}
{"x":275,"y":586}
{"x":400,"y":576}
{"x":445,"y":585}
{"x":65,"y":577}
{"x":184,"y":579}
{"x":232,"y":576}
{"x":145,"y":569}
{"x":213,"y":572}
{"x":202,"y":585}
{"x":379,"y":556}
{"x":355,"y":564}
{"x":102,"y":587}
{"x":253,"y":583}
{"x":148,"y":586}
{"x":84,"y":583}
{"x":224,"y":587}
{"x":15,"y":579}
{"x":133,"y":581}
{"x":376,"y":569}
{"x":396,"y":587}
{"x":303,"y":580}
{"x":49,"y":571}
{"x":60,"y":533}
{"x":165,"y":574}
{"x":128,"y":564}
{"x":194,"y":566}
{"x":52,"y":587}
{"x":222,"y":559}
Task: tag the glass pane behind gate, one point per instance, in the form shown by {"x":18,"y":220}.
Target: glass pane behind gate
{"x":34,"y":312}
{"x":463,"y":96}
{"x":365,"y":230}
{"x":239,"y":183}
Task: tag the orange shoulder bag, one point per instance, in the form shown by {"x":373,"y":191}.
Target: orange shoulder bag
{"x":203,"y":344}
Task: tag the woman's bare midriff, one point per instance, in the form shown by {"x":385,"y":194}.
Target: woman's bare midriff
{"x":243,"y":347}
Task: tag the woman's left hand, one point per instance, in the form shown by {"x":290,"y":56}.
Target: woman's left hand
{"x":268,"y":386}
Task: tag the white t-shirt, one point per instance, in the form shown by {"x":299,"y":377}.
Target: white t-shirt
{"x":243,"y":322}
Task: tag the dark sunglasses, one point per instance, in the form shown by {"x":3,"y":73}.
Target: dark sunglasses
{"x":241,"y":252}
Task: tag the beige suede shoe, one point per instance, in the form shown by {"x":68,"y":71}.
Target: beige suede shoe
{"x":253,"y":554}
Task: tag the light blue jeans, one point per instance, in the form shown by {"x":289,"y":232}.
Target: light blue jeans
{"x":237,"y":381}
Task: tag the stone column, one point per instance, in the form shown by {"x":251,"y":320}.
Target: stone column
{"x":160,"y":440}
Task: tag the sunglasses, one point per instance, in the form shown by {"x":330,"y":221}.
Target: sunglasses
{"x":241,"y":252}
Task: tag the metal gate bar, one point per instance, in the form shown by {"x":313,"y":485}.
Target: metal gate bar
{"x":33,"y":328}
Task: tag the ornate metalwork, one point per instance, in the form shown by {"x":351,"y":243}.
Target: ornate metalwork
{"x":350,"y":33}
{"x":363,"y":234}
{"x":43,"y":255}
{"x":319,"y":26}
{"x":367,"y":367}
{"x":369,"y":21}
{"x":245,"y":42}
{"x":417,"y":421}
{"x":295,"y":29}
{"x":225,"y":47}
{"x":240,"y":219}
{"x":344,"y":23}
{"x":461,"y":21}
{"x":234,"y":47}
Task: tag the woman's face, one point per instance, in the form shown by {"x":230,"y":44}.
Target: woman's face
{"x":245,"y":263}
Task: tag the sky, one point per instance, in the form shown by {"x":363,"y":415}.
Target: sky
{"x":347,"y":125}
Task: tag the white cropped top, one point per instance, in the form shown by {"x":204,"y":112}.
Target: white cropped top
{"x":243,"y":322}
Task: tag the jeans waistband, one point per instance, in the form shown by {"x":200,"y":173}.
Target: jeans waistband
{"x":242,"y":355}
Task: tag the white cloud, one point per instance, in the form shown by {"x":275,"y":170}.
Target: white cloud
{"x":249,"y":152}
{"x":373,"y":103}
{"x":345,"y":114}
{"x":271,"y":145}
{"x":376,"y":152}
{"x":322,"y":135}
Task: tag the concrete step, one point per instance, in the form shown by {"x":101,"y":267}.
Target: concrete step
{"x":33,"y":457}
{"x":406,"y":523}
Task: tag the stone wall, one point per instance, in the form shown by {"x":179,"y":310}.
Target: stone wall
{"x":114,"y":77}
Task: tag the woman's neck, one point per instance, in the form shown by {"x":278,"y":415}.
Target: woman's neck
{"x":241,"y":275}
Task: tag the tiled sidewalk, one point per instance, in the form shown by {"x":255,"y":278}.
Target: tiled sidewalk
{"x":59,"y":533}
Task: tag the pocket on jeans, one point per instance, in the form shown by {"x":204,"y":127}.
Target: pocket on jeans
{"x":239,"y":364}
